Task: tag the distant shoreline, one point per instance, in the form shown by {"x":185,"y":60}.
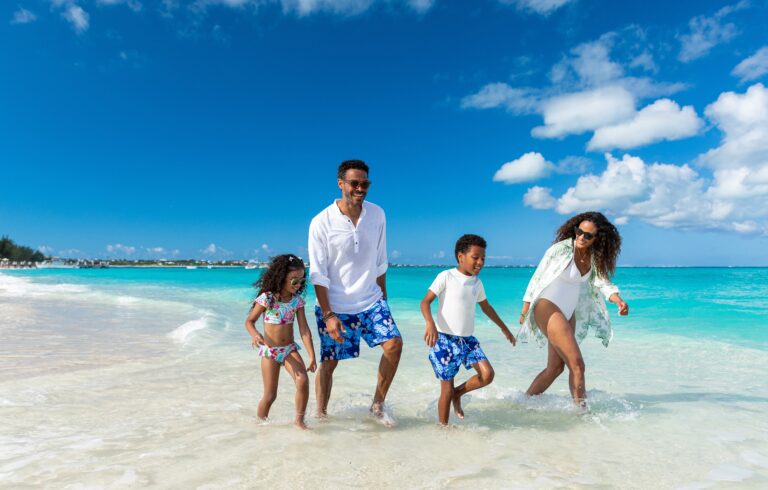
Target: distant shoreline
{"x":394,"y":266}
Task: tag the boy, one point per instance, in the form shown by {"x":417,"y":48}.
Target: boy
{"x":450,"y":337}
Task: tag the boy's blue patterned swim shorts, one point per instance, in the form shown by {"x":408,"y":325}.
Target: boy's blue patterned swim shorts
{"x":451,"y":351}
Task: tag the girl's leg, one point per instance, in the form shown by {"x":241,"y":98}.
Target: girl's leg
{"x":484,"y":377}
{"x":294,"y":364}
{"x":270,"y":372}
{"x":444,"y":403}
{"x":560,"y":333}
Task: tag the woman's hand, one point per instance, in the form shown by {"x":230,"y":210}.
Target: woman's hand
{"x":312,"y":365}
{"x":257,"y":340}
{"x":623,"y":307}
{"x":430,"y":334}
{"x":524,"y":311}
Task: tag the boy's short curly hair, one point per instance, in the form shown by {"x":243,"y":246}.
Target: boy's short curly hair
{"x":465,"y":242}
{"x":349,"y":165}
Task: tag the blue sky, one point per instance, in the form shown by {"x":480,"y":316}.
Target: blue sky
{"x":213,"y":128}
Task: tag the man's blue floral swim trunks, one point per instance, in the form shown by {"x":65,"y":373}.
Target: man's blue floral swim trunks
{"x":451,"y":351}
{"x":375,"y":325}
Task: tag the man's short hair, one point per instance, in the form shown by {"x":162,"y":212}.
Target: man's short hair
{"x":465,"y":242}
{"x":350,"y":165}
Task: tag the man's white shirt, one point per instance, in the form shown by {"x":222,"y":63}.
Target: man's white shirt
{"x":347,"y":259}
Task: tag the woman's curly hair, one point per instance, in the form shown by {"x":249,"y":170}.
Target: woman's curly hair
{"x":272,"y":279}
{"x":607,"y":244}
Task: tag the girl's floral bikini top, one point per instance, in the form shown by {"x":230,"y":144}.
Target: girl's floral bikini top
{"x":277,"y":312}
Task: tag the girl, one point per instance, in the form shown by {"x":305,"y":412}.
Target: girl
{"x":563,"y":298}
{"x":279,"y":300}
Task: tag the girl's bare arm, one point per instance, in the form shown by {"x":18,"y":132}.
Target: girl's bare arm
{"x":306,"y":337}
{"x":250,"y":324}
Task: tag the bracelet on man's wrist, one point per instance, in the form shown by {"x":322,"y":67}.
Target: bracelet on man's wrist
{"x":328,"y":316}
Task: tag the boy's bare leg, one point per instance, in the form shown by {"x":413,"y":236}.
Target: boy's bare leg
{"x":323,"y":385}
{"x":390,"y":358}
{"x":484,"y":377}
{"x":294,"y":364}
{"x":270,"y":373}
{"x":444,"y":403}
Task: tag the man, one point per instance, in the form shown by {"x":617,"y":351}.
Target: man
{"x":348,"y":267}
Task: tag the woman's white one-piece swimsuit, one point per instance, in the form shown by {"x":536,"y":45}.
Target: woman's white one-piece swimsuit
{"x":564,"y":290}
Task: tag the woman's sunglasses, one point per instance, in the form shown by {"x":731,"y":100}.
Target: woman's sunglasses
{"x":363,"y":184}
{"x":300,"y":281}
{"x":587,"y":235}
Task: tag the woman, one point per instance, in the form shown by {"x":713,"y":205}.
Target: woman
{"x":562,"y":300}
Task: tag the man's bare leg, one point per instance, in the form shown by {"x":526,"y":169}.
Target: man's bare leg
{"x":323,"y":385}
{"x":390,"y":358}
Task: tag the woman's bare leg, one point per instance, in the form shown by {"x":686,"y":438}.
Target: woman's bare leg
{"x":270,"y":373}
{"x":560,"y":333}
{"x":294,"y":364}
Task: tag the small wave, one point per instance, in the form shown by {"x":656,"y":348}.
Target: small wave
{"x":127,"y":300}
{"x":183,"y":333}
{"x":600,"y":403}
{"x":16,"y":287}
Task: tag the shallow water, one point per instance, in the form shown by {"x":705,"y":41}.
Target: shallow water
{"x":145,"y":378}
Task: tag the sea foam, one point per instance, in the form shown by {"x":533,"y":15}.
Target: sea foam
{"x":184,"y":332}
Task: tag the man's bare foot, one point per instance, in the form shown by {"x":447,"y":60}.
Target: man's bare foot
{"x":377,"y":410}
{"x":321,"y":415}
{"x":457,"y":407}
{"x":301,"y":424}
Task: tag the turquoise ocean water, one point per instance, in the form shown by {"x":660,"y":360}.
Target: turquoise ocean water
{"x":727,"y":304}
{"x":145,"y":378}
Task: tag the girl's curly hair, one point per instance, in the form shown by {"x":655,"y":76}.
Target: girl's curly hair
{"x":607,"y":245}
{"x":272,"y":279}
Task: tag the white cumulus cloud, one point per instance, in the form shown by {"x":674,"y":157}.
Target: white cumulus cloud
{"x":589,"y":89}
{"x":667,"y":196}
{"x":539,"y":198}
{"x":529,"y":167}
{"x":707,"y":32}
{"x":134,"y":5}
{"x":210,"y":249}
{"x":515,"y":100}
{"x":541,"y":7}
{"x":23,"y":16}
{"x":119,"y":248}
{"x":743,"y":119}
{"x":75,"y":15}
{"x":753,"y":67}
{"x":215,"y":250}
{"x":662,"y":120}
{"x":590,"y":63}
{"x":585,"y":111}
